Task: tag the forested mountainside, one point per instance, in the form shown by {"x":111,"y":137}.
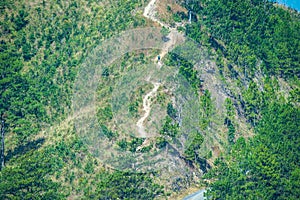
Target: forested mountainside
{"x":235,"y":132}
{"x":263,"y":42}
{"x":42,"y":45}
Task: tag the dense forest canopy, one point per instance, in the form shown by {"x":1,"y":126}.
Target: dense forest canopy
{"x":256,"y":35}
{"x":260,"y":39}
{"x":42,"y":45}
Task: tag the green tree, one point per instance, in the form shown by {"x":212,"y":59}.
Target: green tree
{"x":252,"y":102}
{"x":125,"y":185}
{"x":191,"y":152}
{"x":30,"y":178}
{"x":170,"y":127}
{"x":206,"y":109}
{"x":171,"y":111}
{"x":267,"y":165}
{"x":230,"y":112}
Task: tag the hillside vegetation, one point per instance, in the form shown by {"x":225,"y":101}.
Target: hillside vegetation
{"x":42,"y":46}
{"x":255,"y":44}
{"x":245,"y":144}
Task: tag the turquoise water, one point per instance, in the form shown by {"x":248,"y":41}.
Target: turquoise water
{"x":291,"y":3}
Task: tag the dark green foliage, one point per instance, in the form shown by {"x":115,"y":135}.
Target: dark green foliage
{"x":165,"y":31}
{"x":252,"y":31}
{"x":171,"y":111}
{"x":170,"y":127}
{"x":130,"y":145}
{"x":24,"y":148}
{"x":122,"y":144}
{"x":190,"y":74}
{"x":177,"y":17}
{"x":231,"y":132}
{"x":105,"y":72}
{"x":105,"y":113}
{"x":182,"y":15}
{"x":108,"y":133}
{"x":135,"y":143}
{"x":42,"y":46}
{"x":229,"y":120}
{"x":133,"y":108}
{"x":53,"y":46}
{"x":19,"y":103}
{"x":191,"y":152}
{"x":161,"y":142}
{"x":193,"y":5}
{"x":89,"y":168}
{"x":260,"y":39}
{"x":186,"y":69}
{"x":229,"y":109}
{"x":20,"y":20}
{"x":207,"y":109}
{"x":30,"y":179}
{"x":252,"y":102}
{"x":268,"y":166}
{"x":124,"y":185}
{"x":295,"y":95}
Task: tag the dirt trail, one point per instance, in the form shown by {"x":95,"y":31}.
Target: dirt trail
{"x":150,"y":13}
{"x":174,"y":37}
{"x":147,"y":108}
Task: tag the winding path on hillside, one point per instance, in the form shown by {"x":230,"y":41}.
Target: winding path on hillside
{"x":173,"y":37}
{"x":147,"y":100}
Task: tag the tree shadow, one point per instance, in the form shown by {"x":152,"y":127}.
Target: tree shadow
{"x":204,"y":165}
{"x":23,"y":149}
